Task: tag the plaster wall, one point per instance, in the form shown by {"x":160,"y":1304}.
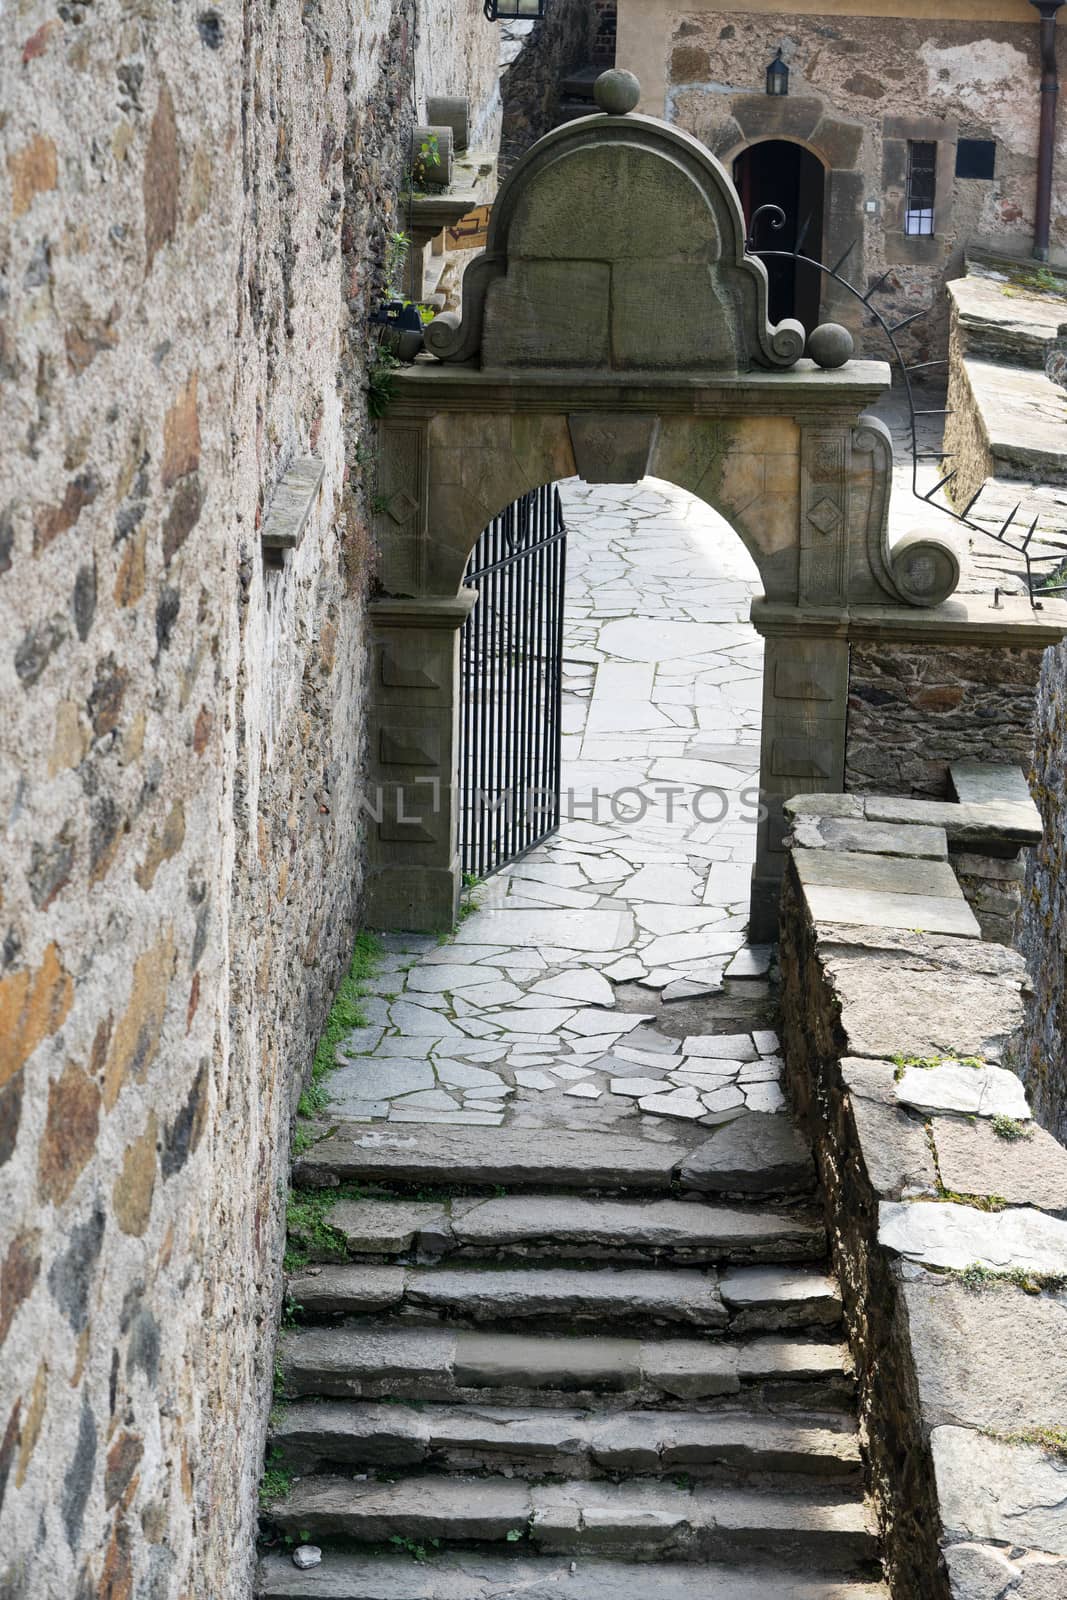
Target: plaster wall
{"x":192,"y":211}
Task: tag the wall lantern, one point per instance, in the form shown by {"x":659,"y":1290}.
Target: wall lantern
{"x":515,"y":10}
{"x":778,"y":76}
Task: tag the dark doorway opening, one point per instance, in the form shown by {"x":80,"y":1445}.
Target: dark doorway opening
{"x":783,"y":174}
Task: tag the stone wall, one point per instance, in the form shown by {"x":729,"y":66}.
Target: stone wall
{"x":946,"y":1202}
{"x":194,"y":206}
{"x":1043,"y":934}
{"x":532,"y":83}
{"x":913,"y":709}
{"x":860,"y":88}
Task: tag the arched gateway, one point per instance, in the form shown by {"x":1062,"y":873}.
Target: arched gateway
{"x":614,"y":327}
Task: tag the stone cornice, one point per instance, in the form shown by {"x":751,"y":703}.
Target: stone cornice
{"x":804,"y":391}
{"x":965,"y":619}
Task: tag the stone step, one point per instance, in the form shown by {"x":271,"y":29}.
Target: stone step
{"x":731,"y":1445}
{"x":524,"y":1227}
{"x":449,"y":1364}
{"x":701,"y":1522}
{"x":490,"y":1577}
{"x":757,"y":1154}
{"x":744,"y":1298}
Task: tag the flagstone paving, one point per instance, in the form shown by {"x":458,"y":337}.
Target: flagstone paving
{"x":569,"y":991}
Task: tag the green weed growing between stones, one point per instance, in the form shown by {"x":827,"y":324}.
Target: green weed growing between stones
{"x":345,"y":1014}
{"x":1054,"y":1440}
{"x":410,"y":1547}
{"x":977,"y":1278}
{"x":1011,"y":1129}
{"x":276,"y":1481}
{"x":308,"y":1227}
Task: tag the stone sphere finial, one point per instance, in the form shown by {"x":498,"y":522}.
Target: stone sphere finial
{"x":616,"y":92}
{"x":830,"y":345}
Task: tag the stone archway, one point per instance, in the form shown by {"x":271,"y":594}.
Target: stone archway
{"x":565,"y":363}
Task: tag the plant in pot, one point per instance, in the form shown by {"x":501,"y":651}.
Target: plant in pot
{"x":401,"y":320}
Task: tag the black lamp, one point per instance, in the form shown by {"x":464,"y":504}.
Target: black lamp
{"x":778,"y":76}
{"x":514,"y":10}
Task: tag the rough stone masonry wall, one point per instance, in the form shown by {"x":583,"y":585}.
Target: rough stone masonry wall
{"x":1043,"y":934}
{"x":914,"y":708}
{"x":960,"y":1372}
{"x":531,"y":84}
{"x":192,"y":204}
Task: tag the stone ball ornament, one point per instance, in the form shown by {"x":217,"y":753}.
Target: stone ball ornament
{"x":830,"y":345}
{"x":616,"y":92}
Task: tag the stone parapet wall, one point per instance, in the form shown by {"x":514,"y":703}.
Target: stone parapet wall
{"x":194,"y":207}
{"x":947,"y":1202}
{"x":1043,"y":929}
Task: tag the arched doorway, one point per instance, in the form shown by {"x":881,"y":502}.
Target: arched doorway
{"x":780,"y":173}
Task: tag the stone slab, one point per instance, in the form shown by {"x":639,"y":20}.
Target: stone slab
{"x":555,"y":1156}
{"x":607,"y":1293}
{"x":990,"y":823}
{"x":968,"y":1091}
{"x":1028,"y":1171}
{"x":927,"y":843}
{"x":944,"y":1234}
{"x":990,"y":1489}
{"x":892,"y":1143}
{"x":991,"y":1358}
{"x":385,"y":1227}
{"x":881,"y":909}
{"x":851,"y":869}
{"x":492,"y":1360}
{"x":753,"y":1153}
{"x":483,"y":1577}
{"x":983,"y":783}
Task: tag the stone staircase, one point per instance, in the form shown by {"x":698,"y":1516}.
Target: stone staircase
{"x":572,"y":1364}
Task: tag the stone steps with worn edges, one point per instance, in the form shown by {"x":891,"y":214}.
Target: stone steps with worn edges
{"x":728,"y":1445}
{"x":577,"y":1227}
{"x":447,"y":1364}
{"x":455,"y":1576}
{"x":756,"y":1154}
{"x":741,"y":1298}
{"x":700,"y":1522}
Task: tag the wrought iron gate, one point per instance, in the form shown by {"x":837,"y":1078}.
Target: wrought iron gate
{"x":511,"y":682}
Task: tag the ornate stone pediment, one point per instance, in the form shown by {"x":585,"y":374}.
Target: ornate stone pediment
{"x":616,"y":245}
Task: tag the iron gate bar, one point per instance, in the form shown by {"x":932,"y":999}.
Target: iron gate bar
{"x":511,"y":685}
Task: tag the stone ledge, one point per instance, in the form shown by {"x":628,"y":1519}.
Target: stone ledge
{"x":948,"y":1205}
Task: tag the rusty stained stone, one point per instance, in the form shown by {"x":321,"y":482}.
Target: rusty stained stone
{"x":85,"y":340}
{"x":37,"y":43}
{"x":33,"y":1005}
{"x":199,"y":186}
{"x":34,"y":169}
{"x":107,"y":695}
{"x":18,"y":1274}
{"x":51,"y":521}
{"x":939,"y":697}
{"x":8,"y":1445}
{"x":205,"y":721}
{"x":181,"y":434}
{"x":161,"y":174}
{"x":31,"y":1428}
{"x":183,"y":515}
{"x":162,"y":846}
{"x":123,"y":1459}
{"x":136,"y":1183}
{"x":116,"y":1577}
{"x":70,"y":741}
{"x":135,"y":1039}
{"x":129,"y":580}
{"x":70,"y":1131}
